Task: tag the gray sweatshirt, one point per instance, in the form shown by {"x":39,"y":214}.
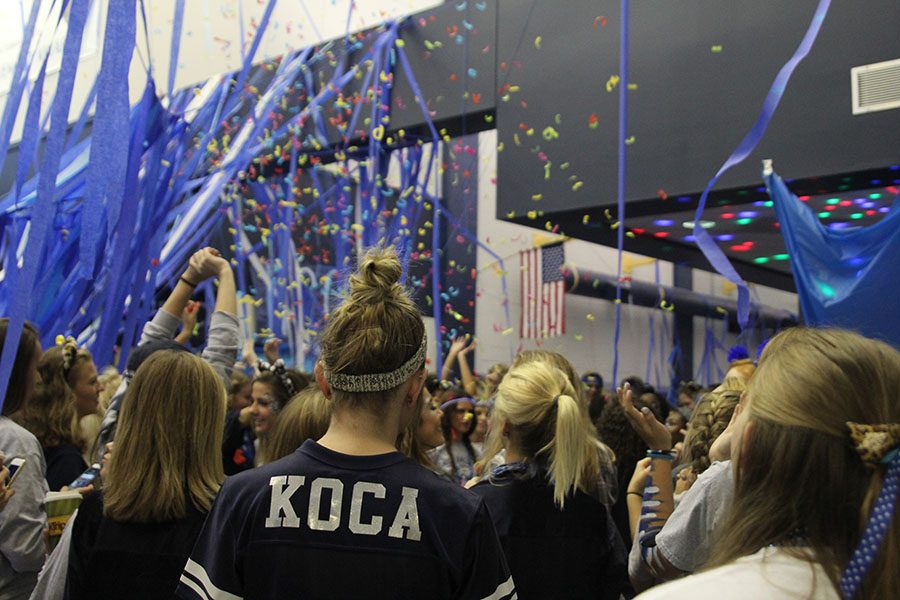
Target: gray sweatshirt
{"x":23,"y":520}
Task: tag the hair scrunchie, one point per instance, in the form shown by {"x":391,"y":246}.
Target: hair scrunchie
{"x":278,"y":369}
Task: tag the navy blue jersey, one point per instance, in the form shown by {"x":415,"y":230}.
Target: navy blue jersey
{"x":574,"y":552}
{"x":319,"y":524}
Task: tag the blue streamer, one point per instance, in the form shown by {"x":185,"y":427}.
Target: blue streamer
{"x":620,"y":201}
{"x":705,"y":242}
{"x":109,"y":147}
{"x":177,"y":22}
{"x":43,"y":214}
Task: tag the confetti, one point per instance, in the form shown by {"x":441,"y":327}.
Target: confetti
{"x":612,"y":82}
{"x":537,"y":42}
{"x":600,"y":21}
{"x":593,"y":121}
{"x":716,"y":49}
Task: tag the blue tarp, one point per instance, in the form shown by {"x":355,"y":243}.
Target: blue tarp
{"x":847,"y":277}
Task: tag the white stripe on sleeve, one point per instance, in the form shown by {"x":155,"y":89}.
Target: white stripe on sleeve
{"x":503,"y":590}
{"x":199,"y":573}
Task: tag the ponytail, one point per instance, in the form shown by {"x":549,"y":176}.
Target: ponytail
{"x":574,"y":462}
{"x":550,"y":423}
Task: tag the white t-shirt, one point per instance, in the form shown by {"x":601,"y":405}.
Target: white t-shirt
{"x":770,"y":574}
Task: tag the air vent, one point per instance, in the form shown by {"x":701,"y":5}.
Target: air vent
{"x":875,"y":87}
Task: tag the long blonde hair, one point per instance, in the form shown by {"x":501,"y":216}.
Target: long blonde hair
{"x":306,"y":417}
{"x":545,"y":416}
{"x":169,"y":440}
{"x":798,"y":471}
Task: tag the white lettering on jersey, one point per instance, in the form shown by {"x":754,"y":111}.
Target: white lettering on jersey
{"x":407,"y":517}
{"x":357,"y":526}
{"x":315,"y":499}
{"x":281,"y":501}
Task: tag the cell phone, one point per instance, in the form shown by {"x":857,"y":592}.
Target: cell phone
{"x":86,"y":478}
{"x":15,"y":465}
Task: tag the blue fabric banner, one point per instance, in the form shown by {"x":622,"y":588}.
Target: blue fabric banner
{"x":846,"y":278}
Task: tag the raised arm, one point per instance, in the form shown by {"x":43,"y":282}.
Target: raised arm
{"x":167,"y":319}
{"x":224,"y":337}
{"x":470,"y":384}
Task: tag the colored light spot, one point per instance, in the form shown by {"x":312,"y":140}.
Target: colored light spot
{"x":639,"y":230}
{"x":845,"y":203}
{"x":869,"y":204}
{"x":689,"y":238}
{"x":760,"y":260}
{"x":684,"y":199}
{"x":740,"y":248}
{"x":824,"y":214}
{"x":781,"y":256}
{"x":768,"y":204}
{"x":804,"y":198}
{"x":870,"y":213}
{"x":884,"y":209}
{"x":728,"y":216}
{"x":664,"y":222}
{"x":703,"y":224}
{"x":827,"y":290}
{"x":833,"y":201}
{"x":874,"y":196}
{"x":837,"y":226}
{"x":725,"y":237}
{"x":744,"y":221}
{"x":859,"y":200}
{"x":747,"y":214}
{"x":661,"y":234}
{"x":856,"y":216}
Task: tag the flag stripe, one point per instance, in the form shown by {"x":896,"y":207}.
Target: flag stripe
{"x":542,"y":292}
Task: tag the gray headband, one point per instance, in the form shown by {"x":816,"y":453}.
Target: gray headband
{"x":377,"y":382}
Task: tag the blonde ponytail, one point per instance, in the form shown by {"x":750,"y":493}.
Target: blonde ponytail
{"x":574,"y":462}
{"x":548,"y":421}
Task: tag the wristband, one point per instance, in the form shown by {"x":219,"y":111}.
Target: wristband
{"x":186,"y":282}
{"x":636,"y":494}
{"x":661,"y":454}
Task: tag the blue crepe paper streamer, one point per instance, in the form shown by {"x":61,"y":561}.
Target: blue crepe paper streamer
{"x":43,"y":214}
{"x":109,"y":145}
{"x":706,"y":244}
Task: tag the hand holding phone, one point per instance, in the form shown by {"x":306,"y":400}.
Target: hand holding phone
{"x":15,"y":466}
{"x":86,"y":478}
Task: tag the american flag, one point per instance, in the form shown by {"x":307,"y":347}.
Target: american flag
{"x":542,"y":292}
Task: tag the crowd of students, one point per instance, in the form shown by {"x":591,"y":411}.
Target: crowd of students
{"x":371,"y":478}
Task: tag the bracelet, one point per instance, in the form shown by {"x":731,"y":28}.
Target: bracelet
{"x":635,"y":493}
{"x":661,"y":454}
{"x":186,"y":282}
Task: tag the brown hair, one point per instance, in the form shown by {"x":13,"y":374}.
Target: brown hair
{"x":798,"y":471}
{"x":280,"y":391}
{"x":19,"y":376}
{"x":409,"y":443}
{"x":169,"y":441}
{"x":237,"y":383}
{"x":306,"y":417}
{"x":708,"y":420}
{"x":51,"y":416}
{"x":375,"y":330}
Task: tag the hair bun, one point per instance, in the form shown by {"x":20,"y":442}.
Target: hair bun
{"x":377,"y":277}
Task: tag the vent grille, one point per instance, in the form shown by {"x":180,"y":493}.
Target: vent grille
{"x":875,"y":87}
